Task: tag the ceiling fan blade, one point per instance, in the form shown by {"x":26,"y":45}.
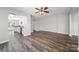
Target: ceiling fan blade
{"x":37,"y":9}
{"x":37,"y":12}
{"x":45,"y":8}
{"x":46,"y":11}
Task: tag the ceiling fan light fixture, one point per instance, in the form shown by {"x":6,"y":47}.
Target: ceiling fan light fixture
{"x":41,"y":13}
{"x":42,"y":10}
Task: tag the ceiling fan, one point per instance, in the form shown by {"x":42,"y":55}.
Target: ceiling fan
{"x":42,"y":10}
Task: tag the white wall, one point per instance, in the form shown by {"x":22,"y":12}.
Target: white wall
{"x":3,"y":24}
{"x":74,"y":22}
{"x":27,"y":27}
{"x":63,"y":24}
{"x":78,"y":29}
{"x":32,"y":23}
{"x":78,"y":22}
{"x":53,"y":23}
{"x":35,"y":24}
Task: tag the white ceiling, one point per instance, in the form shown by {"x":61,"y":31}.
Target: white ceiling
{"x":52,"y":10}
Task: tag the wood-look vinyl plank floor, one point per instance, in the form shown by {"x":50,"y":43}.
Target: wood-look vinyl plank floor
{"x":41,"y":41}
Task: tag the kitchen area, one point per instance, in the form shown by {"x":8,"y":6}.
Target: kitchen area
{"x":15,"y":24}
{"x":19,"y":24}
